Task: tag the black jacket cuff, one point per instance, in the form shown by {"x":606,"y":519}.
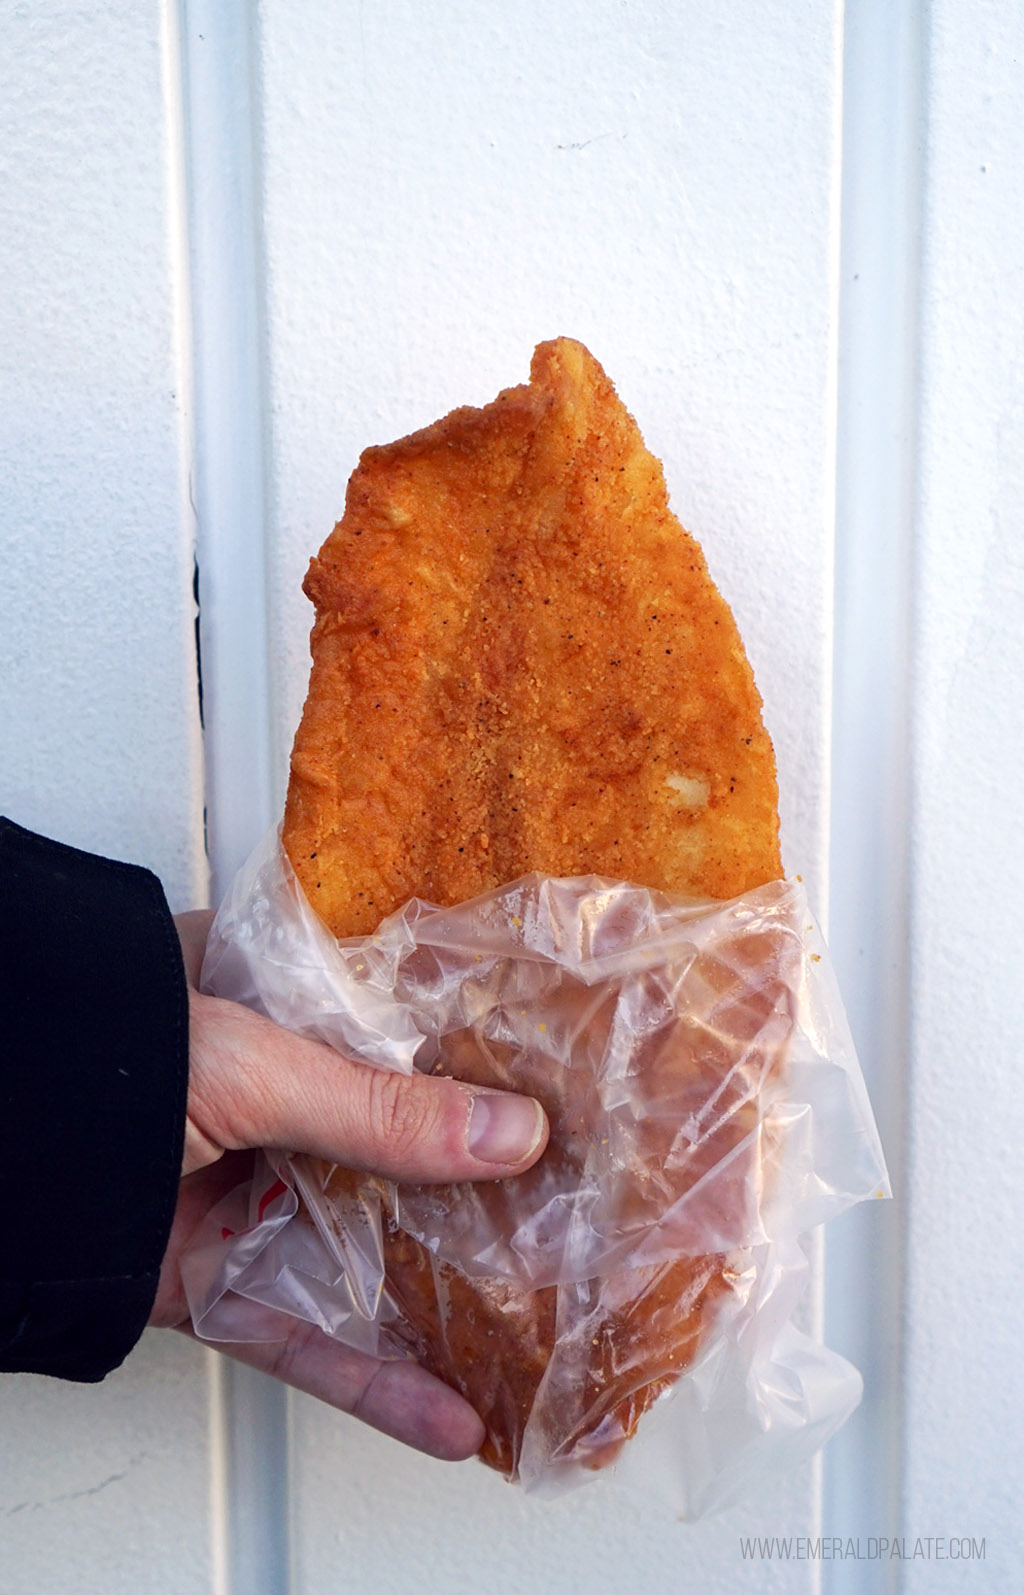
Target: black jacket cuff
{"x":93,"y":1091}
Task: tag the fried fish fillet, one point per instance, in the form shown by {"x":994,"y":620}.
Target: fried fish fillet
{"x":520,"y":663}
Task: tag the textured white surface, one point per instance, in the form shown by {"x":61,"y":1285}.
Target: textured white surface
{"x":97,"y":651}
{"x":105,"y":1489}
{"x":367,"y":1512}
{"x":101,"y":1490}
{"x":965,"y":1296}
{"x":410,"y":197}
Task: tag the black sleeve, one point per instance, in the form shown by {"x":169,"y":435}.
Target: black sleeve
{"x":93,"y":1089}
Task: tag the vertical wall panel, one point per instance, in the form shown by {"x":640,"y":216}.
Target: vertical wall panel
{"x":97,"y":651}
{"x":102,"y":1489}
{"x":445,"y":186}
{"x":883,"y":173}
{"x":963,"y":1373}
{"x":224,"y":227}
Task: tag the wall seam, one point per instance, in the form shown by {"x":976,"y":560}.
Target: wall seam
{"x":879,"y":334}
{"x":216,"y":52}
{"x":181,"y":301}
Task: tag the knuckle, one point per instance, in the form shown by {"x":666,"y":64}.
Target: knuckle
{"x":402,"y":1114}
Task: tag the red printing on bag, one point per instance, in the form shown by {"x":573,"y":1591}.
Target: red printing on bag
{"x":271,"y":1194}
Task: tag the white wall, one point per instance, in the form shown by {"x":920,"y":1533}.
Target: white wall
{"x":99,"y":734}
{"x":965,"y":1109}
{"x":238,"y":244}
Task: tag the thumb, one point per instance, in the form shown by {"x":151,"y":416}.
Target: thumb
{"x":253,"y":1084}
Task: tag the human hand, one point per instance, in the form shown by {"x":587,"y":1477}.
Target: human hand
{"x":254,"y":1085}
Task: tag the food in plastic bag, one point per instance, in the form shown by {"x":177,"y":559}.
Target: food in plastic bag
{"x":654,"y":1081}
{"x":706,"y":1107}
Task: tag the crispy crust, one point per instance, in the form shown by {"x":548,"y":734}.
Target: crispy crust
{"x":521,"y":663}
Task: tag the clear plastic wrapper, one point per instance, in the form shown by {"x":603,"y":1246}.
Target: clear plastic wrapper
{"x":706,"y":1109}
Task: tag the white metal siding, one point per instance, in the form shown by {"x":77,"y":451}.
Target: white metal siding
{"x":100,"y":726}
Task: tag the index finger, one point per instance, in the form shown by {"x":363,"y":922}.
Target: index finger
{"x":398,"y":1398}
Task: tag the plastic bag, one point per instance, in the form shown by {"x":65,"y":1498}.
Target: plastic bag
{"x":706,"y":1109}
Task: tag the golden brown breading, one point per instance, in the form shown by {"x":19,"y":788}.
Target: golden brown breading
{"x":521,"y":663}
